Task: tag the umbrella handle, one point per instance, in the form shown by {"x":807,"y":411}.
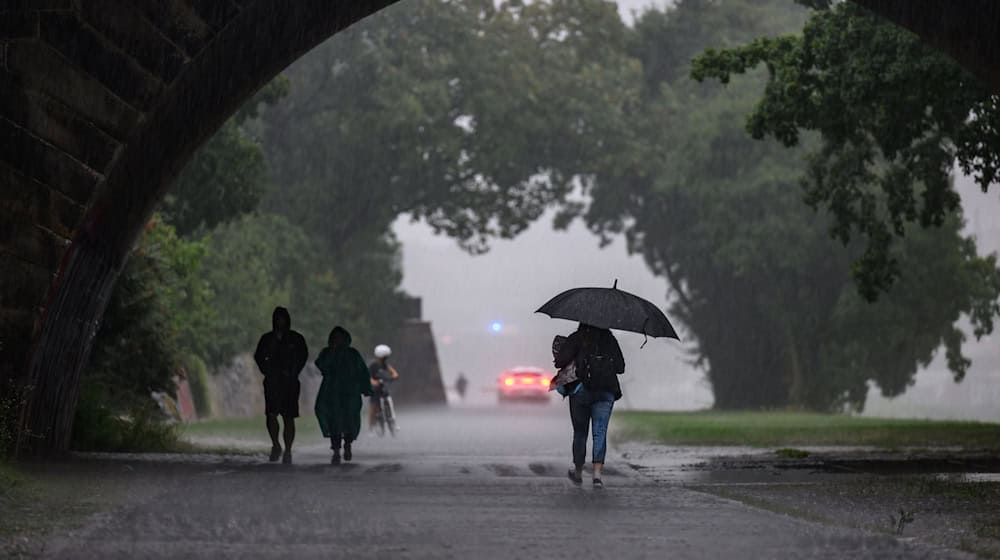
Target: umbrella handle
{"x":645,"y":336}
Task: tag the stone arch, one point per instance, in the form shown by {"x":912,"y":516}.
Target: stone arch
{"x":102,"y":102}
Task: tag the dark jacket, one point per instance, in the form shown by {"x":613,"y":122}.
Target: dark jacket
{"x":588,"y":342}
{"x":284,"y":356}
{"x":345,"y":379}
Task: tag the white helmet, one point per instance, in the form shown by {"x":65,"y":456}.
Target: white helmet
{"x":382,"y":351}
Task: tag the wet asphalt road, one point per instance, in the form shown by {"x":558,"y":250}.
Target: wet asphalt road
{"x":455,"y":484}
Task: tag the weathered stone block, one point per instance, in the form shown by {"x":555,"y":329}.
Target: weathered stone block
{"x":57,"y":124}
{"x":99,"y":58}
{"x":39,"y":67}
{"x":176,"y":22}
{"x":216,"y":13}
{"x":21,"y":196}
{"x":18,"y":25}
{"x":22,"y":239}
{"x":23,"y":285}
{"x":31,"y":5}
{"x":15,"y":341}
{"x":124,"y":25}
{"x":44,"y":163}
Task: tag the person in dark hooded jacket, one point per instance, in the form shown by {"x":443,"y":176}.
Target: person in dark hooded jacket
{"x":281,"y":354}
{"x":338,"y":403}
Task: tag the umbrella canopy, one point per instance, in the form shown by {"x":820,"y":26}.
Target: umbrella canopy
{"x":610,"y":308}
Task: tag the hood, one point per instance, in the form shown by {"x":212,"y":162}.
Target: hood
{"x":280,"y":312}
{"x":340,"y":330}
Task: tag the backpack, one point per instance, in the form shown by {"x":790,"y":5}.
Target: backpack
{"x":597,"y":372}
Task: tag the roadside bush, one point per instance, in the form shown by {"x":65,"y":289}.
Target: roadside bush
{"x":98,"y":427}
{"x":11,"y":400}
{"x":201,"y":385}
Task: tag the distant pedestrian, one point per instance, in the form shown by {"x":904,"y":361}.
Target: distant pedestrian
{"x":338,"y":404}
{"x":598,"y":362}
{"x":461,"y":384}
{"x":281,"y":354}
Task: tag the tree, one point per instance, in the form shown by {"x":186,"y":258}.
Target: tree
{"x":138,"y":349}
{"x":894,"y":116}
{"x":471,"y":115}
{"x":226,"y":178}
{"x":757,"y":281}
{"x":257,"y":263}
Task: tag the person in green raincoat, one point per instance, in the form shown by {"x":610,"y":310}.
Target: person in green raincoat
{"x":338,"y":404}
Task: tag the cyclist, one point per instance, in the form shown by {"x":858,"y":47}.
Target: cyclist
{"x":381,"y":373}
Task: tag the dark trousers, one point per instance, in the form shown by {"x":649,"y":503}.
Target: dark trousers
{"x":586,"y":408}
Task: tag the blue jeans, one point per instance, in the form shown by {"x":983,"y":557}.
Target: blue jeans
{"x":588,"y":407}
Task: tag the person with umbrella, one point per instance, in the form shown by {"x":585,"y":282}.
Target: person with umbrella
{"x":590,"y":361}
{"x":599,"y":361}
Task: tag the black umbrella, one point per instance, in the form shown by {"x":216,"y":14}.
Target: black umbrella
{"x":610,"y":308}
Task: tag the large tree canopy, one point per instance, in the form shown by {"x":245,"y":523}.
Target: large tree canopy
{"x":755,"y":277}
{"x":474,"y":116}
{"x":894,"y":116}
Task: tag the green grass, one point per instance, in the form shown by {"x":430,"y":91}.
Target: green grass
{"x":785,"y":429}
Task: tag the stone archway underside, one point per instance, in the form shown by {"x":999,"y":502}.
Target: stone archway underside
{"x":101,"y":104}
{"x":103,"y":101}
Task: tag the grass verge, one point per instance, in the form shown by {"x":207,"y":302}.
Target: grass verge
{"x":785,"y":429}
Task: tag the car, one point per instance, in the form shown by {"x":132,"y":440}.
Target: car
{"x":524,"y":384}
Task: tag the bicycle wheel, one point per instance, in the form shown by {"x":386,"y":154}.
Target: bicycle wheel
{"x":380,"y":416}
{"x":390,"y":416}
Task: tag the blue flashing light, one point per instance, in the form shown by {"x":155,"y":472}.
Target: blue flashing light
{"x":496,"y":326}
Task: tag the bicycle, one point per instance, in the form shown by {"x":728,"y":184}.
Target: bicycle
{"x":385,"y":413}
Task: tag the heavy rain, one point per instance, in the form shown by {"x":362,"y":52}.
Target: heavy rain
{"x":499,"y":279}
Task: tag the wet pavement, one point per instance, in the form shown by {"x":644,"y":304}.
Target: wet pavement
{"x":454,"y":484}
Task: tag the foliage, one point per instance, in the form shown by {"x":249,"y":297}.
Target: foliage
{"x":894,"y":116}
{"x":138,"y":346}
{"x":99,"y":427}
{"x":226,"y":177}
{"x":756,"y":280}
{"x":136,"y":350}
{"x":12,"y":401}
{"x":223,"y":180}
{"x":473,"y":116}
{"x":257,"y":263}
{"x":200,"y":384}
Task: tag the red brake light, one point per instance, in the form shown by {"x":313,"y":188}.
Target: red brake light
{"x":508,"y":381}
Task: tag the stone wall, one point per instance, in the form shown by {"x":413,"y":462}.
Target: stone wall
{"x":414,"y":355}
{"x":237,"y":391}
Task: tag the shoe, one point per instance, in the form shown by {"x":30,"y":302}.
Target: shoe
{"x":347,"y":452}
{"x":335,"y":460}
{"x":598,"y":483}
{"x":275,"y":453}
{"x":286,"y":459}
{"x":577,"y":479}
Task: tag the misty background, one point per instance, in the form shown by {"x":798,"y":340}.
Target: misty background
{"x":463,"y":295}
